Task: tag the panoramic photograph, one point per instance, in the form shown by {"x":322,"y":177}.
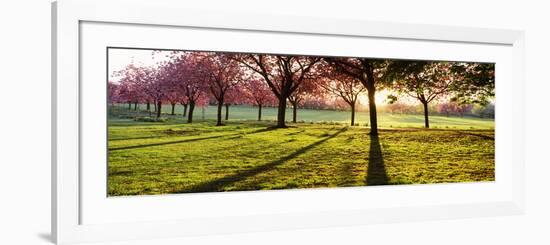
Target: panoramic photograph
{"x":184,"y":121}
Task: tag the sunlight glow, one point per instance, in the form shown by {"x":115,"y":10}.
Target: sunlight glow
{"x":381,"y":97}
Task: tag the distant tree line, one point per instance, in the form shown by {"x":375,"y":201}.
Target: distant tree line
{"x":194,"y":79}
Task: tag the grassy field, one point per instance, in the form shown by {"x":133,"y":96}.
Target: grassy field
{"x":385,"y":120}
{"x":175,"y":157}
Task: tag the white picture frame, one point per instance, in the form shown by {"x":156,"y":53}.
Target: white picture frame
{"x":68,"y":196}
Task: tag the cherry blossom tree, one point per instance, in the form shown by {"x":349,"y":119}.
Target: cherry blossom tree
{"x":173,"y":93}
{"x":192,"y":78}
{"x":308,"y":88}
{"x":316,"y":103}
{"x":224,"y":75}
{"x":346,"y":87}
{"x":233,"y":96}
{"x":283,"y":73}
{"x":144,"y":84}
{"x":113,"y":95}
{"x":158,"y":85}
{"x":172,"y":97}
{"x":130,"y":85}
{"x":258,"y":93}
{"x":125,"y":93}
{"x":454,"y":108}
{"x":339,"y":104}
{"x":400,"y":108}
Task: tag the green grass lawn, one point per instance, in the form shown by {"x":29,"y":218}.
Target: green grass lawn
{"x":175,"y":157}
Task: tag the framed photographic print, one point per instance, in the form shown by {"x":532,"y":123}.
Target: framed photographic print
{"x":171,"y":125}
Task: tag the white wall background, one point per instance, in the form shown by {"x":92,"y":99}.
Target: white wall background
{"x":25,"y":122}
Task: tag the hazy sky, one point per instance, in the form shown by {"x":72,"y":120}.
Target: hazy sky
{"x":120,"y":58}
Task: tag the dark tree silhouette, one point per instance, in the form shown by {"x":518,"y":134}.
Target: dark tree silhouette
{"x":475,"y":83}
{"x":423,"y":80}
{"x":366,"y":71}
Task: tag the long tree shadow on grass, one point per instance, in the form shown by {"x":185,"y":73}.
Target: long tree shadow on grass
{"x":487,"y":137}
{"x":218,"y":184}
{"x":376,"y":170}
{"x":135,"y":138}
{"x":235,"y":135}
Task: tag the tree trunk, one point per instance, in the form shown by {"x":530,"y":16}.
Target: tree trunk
{"x":370,"y":85}
{"x":294,"y":110}
{"x":135,"y":106}
{"x":148,"y":106}
{"x":219,"y":116}
{"x":426,"y":120}
{"x":259,"y":112}
{"x":159,"y":107}
{"x":372,"y":112}
{"x":173,"y":107}
{"x":155,"y":104}
{"x":129,"y":105}
{"x":226,"y":112}
{"x":352,"y":114}
{"x":184,"y":110}
{"x":190,"y":115}
{"x":281,"y":113}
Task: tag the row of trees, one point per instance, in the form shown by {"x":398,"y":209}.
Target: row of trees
{"x":200,"y":78}
{"x":447,"y":108}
